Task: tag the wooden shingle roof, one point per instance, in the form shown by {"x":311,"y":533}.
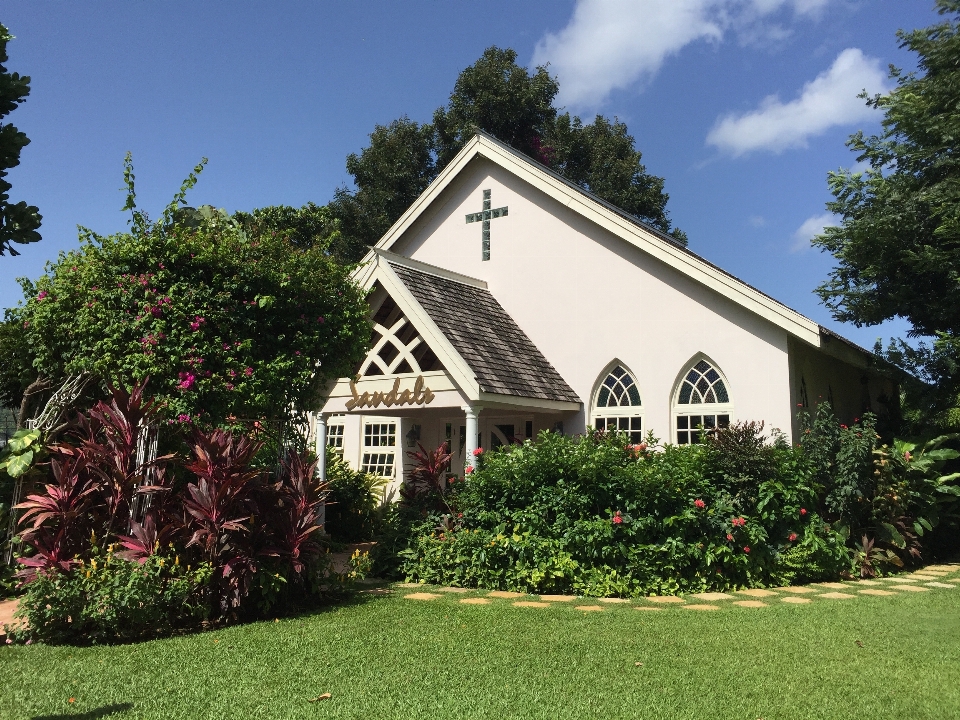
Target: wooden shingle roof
{"x":504,"y":359}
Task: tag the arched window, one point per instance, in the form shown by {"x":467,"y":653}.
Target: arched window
{"x":702,"y":400}
{"x":616,"y":404}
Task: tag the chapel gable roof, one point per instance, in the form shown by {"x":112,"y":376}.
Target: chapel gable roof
{"x":504,"y":360}
{"x":614,"y":220}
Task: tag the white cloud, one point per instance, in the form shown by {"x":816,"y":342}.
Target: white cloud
{"x":829,"y":100}
{"x":757,"y":221}
{"x":812,"y":226}
{"x":613,"y":44}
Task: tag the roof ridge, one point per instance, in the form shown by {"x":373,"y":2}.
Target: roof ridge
{"x":428,"y":269}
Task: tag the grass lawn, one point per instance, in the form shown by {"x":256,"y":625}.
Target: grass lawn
{"x":391,"y":657}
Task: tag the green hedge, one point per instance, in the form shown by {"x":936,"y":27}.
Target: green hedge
{"x":595,"y":515}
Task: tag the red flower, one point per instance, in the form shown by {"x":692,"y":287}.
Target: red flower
{"x":738,"y":522}
{"x":699,"y":503}
{"x":478,"y":452}
{"x":616,"y":518}
{"x":746,"y":549}
{"x":248,"y":372}
{"x":468,"y":469}
{"x":793,"y":536}
{"x":729,"y":537}
{"x":803,"y":511}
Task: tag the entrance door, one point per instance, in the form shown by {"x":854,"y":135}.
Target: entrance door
{"x":455,"y":433}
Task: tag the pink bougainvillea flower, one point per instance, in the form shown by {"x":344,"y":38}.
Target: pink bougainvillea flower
{"x":699,"y":503}
{"x":187,"y":379}
{"x":793,"y":536}
{"x":320,"y":319}
{"x":229,"y":386}
{"x":226,"y":346}
{"x":248,"y":371}
{"x":746,"y":549}
{"x":42,"y":295}
{"x":296,"y":352}
{"x":183,"y":418}
{"x":197,"y":322}
{"x":478,"y":452}
{"x":232,"y":373}
{"x":803,"y":511}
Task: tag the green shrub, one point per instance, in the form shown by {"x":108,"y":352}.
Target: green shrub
{"x":353,"y":501}
{"x":108,"y":599}
{"x":598,"y":516}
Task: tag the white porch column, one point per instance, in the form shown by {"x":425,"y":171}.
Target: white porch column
{"x":472,"y":411}
{"x":321,"y":446}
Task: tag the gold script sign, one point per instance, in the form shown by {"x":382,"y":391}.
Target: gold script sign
{"x":419,"y":395}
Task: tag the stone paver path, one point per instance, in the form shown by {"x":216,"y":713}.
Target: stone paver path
{"x":757,"y":592}
{"x":889,"y":587}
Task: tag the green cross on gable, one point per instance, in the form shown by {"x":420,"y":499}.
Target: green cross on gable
{"x":485,"y":218}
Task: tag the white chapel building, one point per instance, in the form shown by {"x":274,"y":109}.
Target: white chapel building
{"x":506,"y":300}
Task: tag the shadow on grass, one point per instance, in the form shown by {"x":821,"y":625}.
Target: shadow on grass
{"x":99,"y":712}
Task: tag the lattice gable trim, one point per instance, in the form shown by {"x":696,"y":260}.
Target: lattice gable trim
{"x":397,"y":346}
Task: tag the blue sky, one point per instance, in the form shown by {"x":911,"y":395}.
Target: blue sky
{"x":743,"y":106}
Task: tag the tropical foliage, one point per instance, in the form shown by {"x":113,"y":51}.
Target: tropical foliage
{"x":596,"y":515}
{"x":19,"y":222}
{"x":896,"y":240}
{"x":214,"y":534}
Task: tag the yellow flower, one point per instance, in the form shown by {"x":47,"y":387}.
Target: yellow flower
{"x":93,"y":564}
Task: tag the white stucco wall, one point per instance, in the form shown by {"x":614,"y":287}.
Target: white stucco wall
{"x":586,"y":297}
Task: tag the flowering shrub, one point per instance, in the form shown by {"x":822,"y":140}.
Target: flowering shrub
{"x":596,"y":515}
{"x":224,"y":318}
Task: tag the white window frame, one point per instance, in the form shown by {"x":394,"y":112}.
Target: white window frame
{"x":335,"y":431}
{"x":379,"y":456}
{"x":622,"y":415}
{"x":695,"y":414}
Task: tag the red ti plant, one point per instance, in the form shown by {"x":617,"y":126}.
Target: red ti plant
{"x":146,"y":539}
{"x":107,"y":437}
{"x":221,"y":506}
{"x":295,"y":515}
{"x":55,"y":521}
{"x":427,"y":478}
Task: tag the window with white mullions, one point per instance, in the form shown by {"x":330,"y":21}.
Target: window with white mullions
{"x":335,"y":433}
{"x":379,"y":443}
{"x":617,"y":405}
{"x":702,"y":402}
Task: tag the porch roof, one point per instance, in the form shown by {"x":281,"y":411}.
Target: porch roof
{"x":504,"y":360}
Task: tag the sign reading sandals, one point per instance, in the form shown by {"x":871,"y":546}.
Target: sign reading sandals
{"x":420,"y":395}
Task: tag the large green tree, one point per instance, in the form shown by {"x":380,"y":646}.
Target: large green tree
{"x":897,"y":244}
{"x":19,"y":222}
{"x":223,"y":319}
{"x":500,"y":97}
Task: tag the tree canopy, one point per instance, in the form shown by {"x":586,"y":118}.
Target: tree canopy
{"x":496,"y":95}
{"x":897,"y":245}
{"x":224,"y":319}
{"x":19,"y":222}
